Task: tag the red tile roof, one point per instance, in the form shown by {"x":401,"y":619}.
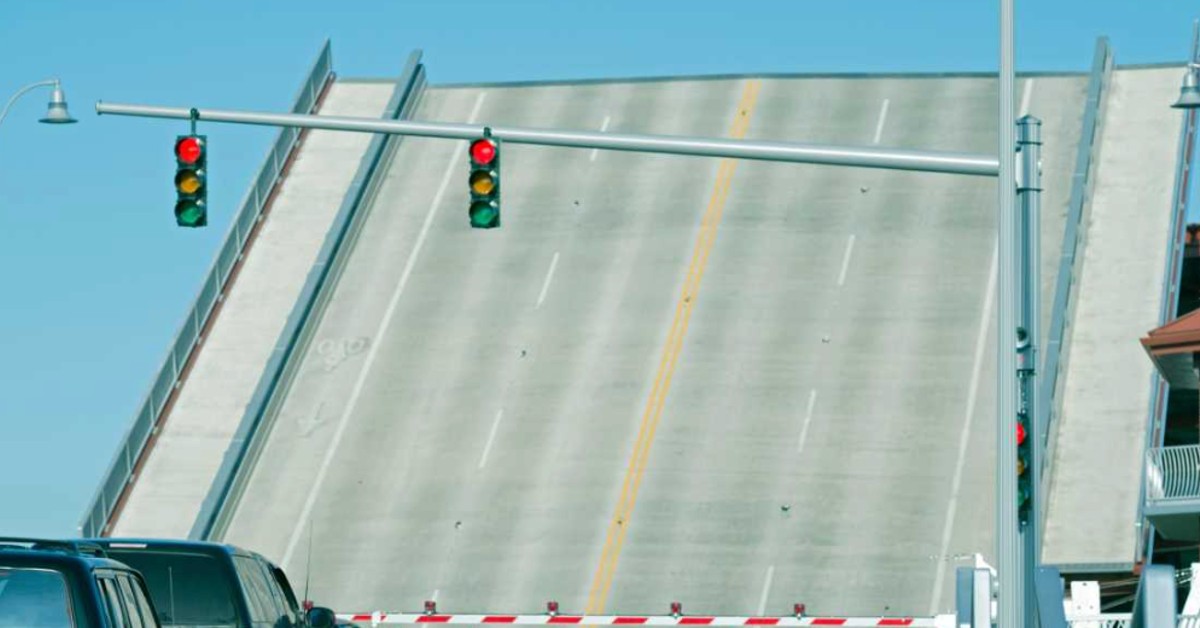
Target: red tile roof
{"x":1181,"y":335}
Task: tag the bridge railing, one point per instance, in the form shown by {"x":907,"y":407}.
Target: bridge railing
{"x":1055,"y":352}
{"x":150,"y":414}
{"x":255,"y":423}
{"x":1173,"y":473}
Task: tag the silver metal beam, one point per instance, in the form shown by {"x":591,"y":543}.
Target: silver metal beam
{"x":1010,"y":602}
{"x":892,"y":159}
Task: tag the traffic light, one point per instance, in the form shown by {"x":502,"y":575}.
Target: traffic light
{"x":1024,"y":473}
{"x":484,"y":182}
{"x":191,"y":187}
{"x":1024,"y":442}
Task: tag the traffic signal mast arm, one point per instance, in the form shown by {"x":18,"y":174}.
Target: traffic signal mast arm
{"x":892,"y":159}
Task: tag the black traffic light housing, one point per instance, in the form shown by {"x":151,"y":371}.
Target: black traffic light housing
{"x":191,"y":180}
{"x":1024,"y":470}
{"x":484,"y":182}
{"x":1024,"y":433}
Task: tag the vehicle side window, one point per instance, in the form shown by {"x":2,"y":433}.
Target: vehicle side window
{"x":112,"y":599}
{"x":293,"y":607}
{"x":143,"y":602}
{"x":132,"y":608}
{"x":286,"y":608}
{"x":258,"y":596}
{"x":34,"y":596}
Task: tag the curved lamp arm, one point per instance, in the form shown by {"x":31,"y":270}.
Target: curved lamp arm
{"x":23,"y":91}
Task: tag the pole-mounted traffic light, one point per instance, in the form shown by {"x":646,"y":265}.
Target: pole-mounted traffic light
{"x":484,"y":182}
{"x":1024,"y":442}
{"x":191,"y":188}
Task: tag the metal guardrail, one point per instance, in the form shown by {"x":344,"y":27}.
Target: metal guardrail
{"x":1173,"y":473}
{"x":1074,"y":240}
{"x":247,"y":441}
{"x":95,"y":521}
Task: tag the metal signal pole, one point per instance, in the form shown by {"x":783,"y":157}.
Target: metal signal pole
{"x":1011,"y":594}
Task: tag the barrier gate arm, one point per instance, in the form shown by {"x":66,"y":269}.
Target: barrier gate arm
{"x":378,"y":618}
{"x":676,"y":618}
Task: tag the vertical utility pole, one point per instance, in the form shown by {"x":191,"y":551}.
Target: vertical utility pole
{"x":1029,"y":189}
{"x":1008,"y":555}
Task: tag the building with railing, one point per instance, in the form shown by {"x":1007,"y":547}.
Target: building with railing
{"x":1172,"y":471}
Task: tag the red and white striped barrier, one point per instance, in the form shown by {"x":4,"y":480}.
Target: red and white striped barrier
{"x":378,"y":618}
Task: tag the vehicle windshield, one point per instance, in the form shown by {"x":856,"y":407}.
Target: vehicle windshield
{"x":33,"y":598}
{"x":187,"y":589}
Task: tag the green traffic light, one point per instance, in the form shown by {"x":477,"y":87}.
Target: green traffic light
{"x":190,"y":214}
{"x":485,"y":215}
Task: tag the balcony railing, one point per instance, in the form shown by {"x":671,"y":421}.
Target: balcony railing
{"x":1173,"y":473}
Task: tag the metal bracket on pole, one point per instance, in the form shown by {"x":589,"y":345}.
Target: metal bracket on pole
{"x":193,"y":115}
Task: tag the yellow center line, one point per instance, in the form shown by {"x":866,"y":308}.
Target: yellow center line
{"x":705,"y":239}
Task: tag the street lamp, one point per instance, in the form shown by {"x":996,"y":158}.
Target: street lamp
{"x":56,"y":109}
{"x":1189,"y":92}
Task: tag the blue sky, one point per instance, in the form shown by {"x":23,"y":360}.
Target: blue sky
{"x":95,"y":275}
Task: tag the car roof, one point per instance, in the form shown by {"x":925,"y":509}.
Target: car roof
{"x":172,"y":545}
{"x":55,"y":558}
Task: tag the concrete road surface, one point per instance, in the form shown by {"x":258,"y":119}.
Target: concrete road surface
{"x":736,"y":385}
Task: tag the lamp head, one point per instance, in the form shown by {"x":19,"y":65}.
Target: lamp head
{"x":1189,"y":91}
{"x":56,"y":109}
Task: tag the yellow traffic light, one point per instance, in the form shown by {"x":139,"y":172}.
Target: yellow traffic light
{"x":482,"y":182}
{"x":187,"y":182}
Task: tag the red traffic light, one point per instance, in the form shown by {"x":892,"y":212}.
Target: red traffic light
{"x":189,"y":149}
{"x":1020,"y":434}
{"x":483,"y":151}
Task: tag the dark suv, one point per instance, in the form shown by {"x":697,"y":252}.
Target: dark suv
{"x":55,"y":584}
{"x":210,"y":584}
